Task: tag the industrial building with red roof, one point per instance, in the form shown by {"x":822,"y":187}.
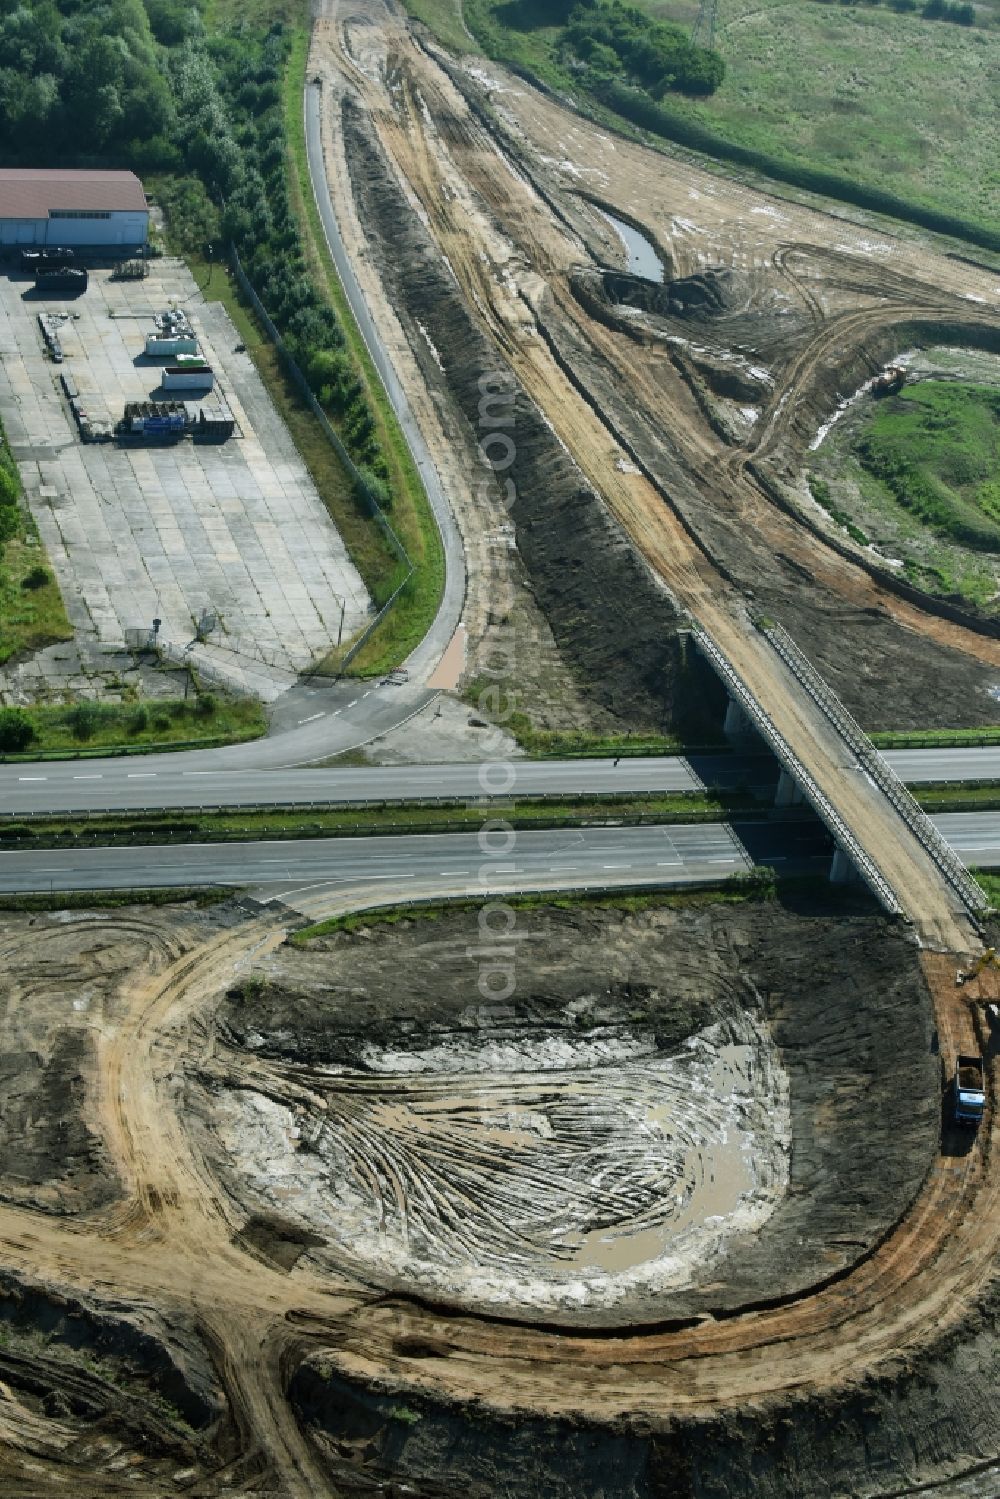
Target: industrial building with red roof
{"x":106,"y":210}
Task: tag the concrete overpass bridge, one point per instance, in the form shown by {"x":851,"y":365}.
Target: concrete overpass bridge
{"x":881,"y":835}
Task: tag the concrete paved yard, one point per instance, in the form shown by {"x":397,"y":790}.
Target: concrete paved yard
{"x":165,"y":532}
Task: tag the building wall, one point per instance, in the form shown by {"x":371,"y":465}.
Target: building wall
{"x":128,"y":230}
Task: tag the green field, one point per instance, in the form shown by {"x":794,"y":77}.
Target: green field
{"x":892,"y":102}
{"x":936,"y":448}
{"x":918,"y":475}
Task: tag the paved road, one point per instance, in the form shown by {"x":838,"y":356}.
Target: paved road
{"x":920,"y":767}
{"x":164,"y":781}
{"x":443,"y":863}
{"x":211,"y":778}
{"x":430,"y":863}
{"x":429,"y":651}
{"x":975,"y":837}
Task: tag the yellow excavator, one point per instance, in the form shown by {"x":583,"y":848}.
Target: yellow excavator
{"x":986,"y":959}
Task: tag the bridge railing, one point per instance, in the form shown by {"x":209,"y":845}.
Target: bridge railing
{"x":881,"y":772}
{"x":761,"y":719}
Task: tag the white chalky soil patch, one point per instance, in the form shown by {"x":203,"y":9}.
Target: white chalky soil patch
{"x":555,"y":1173}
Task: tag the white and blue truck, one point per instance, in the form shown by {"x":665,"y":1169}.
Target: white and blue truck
{"x":970,"y":1090}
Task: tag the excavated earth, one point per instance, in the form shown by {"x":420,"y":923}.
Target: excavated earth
{"x":481,"y":204}
{"x":311,"y":1219}
{"x":663,"y":1121}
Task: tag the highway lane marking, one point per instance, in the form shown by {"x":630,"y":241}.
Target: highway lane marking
{"x":454,"y":871}
{"x":312,"y":718}
{"x":97,"y":777}
{"x":142,"y":775}
{"x":623,"y":866}
{"x":32,"y":778}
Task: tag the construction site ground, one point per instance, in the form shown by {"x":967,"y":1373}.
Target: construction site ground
{"x":685,"y":1214}
{"x":182,"y":1314}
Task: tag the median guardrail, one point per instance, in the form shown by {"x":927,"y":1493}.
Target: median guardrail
{"x":871,"y":760}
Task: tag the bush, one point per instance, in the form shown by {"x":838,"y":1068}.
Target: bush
{"x":205,"y":704}
{"x":84,"y":720}
{"x":138,"y":721}
{"x":16,"y":730}
{"x":36,"y":578}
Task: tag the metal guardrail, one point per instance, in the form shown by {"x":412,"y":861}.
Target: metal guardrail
{"x":881,"y":772}
{"x":866,"y":866}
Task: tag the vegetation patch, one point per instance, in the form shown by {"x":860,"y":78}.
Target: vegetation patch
{"x":32,"y":613}
{"x":275,"y":823}
{"x":99,"y":900}
{"x":936,"y":448}
{"x":87,"y":727}
{"x":916,"y":476}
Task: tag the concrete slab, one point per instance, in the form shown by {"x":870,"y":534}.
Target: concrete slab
{"x":167,"y":532}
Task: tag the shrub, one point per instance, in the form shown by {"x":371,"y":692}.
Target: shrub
{"x":205,"y":704}
{"x":138,"y":721}
{"x":84,"y":720}
{"x":16,"y":730}
{"x":36,"y":578}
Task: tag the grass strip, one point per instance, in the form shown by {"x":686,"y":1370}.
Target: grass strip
{"x":936,"y":738}
{"x":962,"y":797}
{"x":412,"y":517}
{"x":310,"y":822}
{"x":563,"y":744}
{"x":760,"y":884}
{"x":990,"y":883}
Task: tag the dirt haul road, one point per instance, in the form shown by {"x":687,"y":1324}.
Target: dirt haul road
{"x":515,"y":247}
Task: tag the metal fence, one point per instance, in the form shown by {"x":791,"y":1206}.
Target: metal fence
{"x":881,"y":772}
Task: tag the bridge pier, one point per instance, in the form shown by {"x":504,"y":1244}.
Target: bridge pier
{"x":843,"y":870}
{"x":737,"y":726}
{"x":789,"y":793}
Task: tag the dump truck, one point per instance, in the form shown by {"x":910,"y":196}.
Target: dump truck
{"x":970,"y":1090}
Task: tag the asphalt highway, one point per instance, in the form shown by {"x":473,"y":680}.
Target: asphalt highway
{"x":449,"y":863}
{"x":207,"y":778}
